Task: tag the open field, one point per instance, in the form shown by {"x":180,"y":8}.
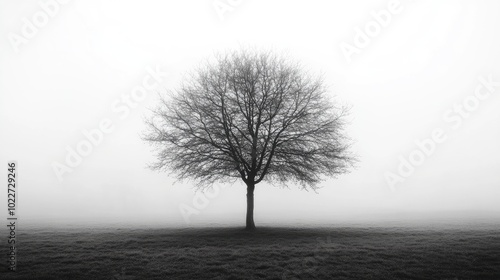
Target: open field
{"x":269,"y":253}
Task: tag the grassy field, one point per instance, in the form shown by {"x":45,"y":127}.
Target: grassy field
{"x":269,"y":253}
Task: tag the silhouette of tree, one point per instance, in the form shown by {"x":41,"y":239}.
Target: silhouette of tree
{"x":250,"y":115}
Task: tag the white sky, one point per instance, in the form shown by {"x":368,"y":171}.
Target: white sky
{"x":67,"y":77}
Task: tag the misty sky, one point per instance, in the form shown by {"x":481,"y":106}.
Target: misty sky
{"x":430,"y":69}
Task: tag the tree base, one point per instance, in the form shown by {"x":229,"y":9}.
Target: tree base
{"x":250,"y":228}
{"x":250,"y":225}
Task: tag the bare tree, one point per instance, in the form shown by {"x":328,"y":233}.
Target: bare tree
{"x":254,"y":116}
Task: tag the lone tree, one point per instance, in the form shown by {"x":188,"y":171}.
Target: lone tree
{"x":251,"y":115}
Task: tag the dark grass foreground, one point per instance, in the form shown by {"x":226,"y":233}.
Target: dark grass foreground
{"x":268,"y":253}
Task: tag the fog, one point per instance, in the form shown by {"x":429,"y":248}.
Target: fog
{"x":424,"y":89}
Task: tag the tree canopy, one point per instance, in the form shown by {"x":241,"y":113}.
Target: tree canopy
{"x":250,"y":115}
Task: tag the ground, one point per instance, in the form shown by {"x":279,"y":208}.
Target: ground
{"x":269,"y":253}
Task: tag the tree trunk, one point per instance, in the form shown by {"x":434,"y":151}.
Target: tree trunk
{"x":250,"y":223}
